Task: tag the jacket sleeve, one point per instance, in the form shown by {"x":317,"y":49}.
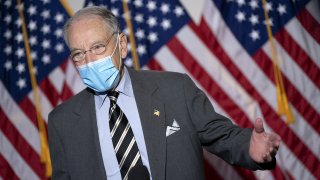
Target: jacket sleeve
{"x":217,"y":133}
{"x":57,"y":153}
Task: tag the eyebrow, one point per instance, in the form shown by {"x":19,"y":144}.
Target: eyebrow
{"x":94,"y":43}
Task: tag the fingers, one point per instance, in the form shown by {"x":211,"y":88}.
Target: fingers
{"x":274,"y":137}
{"x":271,"y":146}
{"x":274,"y":140}
{"x":273,"y":151}
{"x":264,"y":146}
{"x":267,"y":157}
{"x":258,"y":126}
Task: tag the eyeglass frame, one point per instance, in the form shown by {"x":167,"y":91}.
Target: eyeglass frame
{"x":91,"y":49}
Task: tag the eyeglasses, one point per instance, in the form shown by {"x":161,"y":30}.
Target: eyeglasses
{"x":79,"y":55}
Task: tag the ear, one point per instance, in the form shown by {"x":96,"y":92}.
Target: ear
{"x":123,"y":45}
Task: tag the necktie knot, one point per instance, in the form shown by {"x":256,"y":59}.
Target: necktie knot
{"x":113,"y":96}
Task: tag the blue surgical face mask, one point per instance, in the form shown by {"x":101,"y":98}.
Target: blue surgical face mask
{"x":100,"y":75}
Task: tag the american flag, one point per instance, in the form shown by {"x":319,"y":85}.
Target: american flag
{"x":227,"y":54}
{"x":56,"y":78}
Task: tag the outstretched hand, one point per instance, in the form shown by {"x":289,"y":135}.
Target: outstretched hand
{"x":263,"y":146}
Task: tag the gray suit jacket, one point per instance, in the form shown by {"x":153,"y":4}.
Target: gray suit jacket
{"x":75,"y":148}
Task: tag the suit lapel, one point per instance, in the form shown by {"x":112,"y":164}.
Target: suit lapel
{"x":87,"y":114}
{"x":152,"y":116}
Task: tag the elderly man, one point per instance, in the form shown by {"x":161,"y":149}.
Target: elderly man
{"x":127,"y":119}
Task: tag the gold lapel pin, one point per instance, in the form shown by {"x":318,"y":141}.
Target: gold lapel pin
{"x":156,"y":112}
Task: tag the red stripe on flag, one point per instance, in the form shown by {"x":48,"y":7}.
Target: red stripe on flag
{"x":271,"y":117}
{"x":63,"y":66}
{"x":248,"y":174}
{"x":50,"y":91}
{"x":289,"y":176}
{"x":297,"y":100}
{"x":299,"y":56}
{"x":210,"y":172}
{"x":27,"y":107}
{"x":21,"y":145}
{"x":6,"y":172}
{"x":278,"y":173}
{"x":154,"y":65}
{"x":310,"y":24}
{"x":66,"y":92}
{"x":210,"y":86}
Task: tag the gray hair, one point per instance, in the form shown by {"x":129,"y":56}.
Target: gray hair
{"x":109,"y":19}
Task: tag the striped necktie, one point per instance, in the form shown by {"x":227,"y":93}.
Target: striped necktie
{"x":123,"y":140}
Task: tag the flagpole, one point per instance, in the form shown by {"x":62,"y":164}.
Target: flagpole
{"x":44,"y":156}
{"x":283,"y":105}
{"x":67,"y":7}
{"x":131,"y":36}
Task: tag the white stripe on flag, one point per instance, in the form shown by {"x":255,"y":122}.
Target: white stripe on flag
{"x":45,"y":104}
{"x":304,"y":131}
{"x":298,"y":78}
{"x":16,"y":162}
{"x":73,"y":79}
{"x":20,"y":121}
{"x":293,"y":165}
{"x":57,"y":78}
{"x":313,"y":8}
{"x":304,"y":40}
{"x":168,"y":61}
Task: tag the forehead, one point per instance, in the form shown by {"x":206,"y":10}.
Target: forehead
{"x":85,"y":31}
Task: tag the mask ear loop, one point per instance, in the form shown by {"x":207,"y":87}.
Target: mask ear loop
{"x":120,"y":65}
{"x":114,"y":50}
{"x":120,"y":58}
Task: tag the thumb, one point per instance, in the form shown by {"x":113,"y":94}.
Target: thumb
{"x":258,"y":126}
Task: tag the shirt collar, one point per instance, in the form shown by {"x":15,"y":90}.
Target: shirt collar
{"x":124,"y":87}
